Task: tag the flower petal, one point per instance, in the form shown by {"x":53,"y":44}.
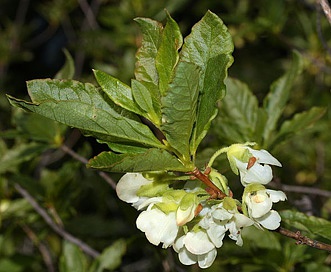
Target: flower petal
{"x":270,"y":221}
{"x":186,"y":257}
{"x":276,"y":195}
{"x":206,"y":260}
{"x":158,"y":226}
{"x":216,"y":233}
{"x":128,"y":186}
{"x":263,"y":156}
{"x":256,"y":174}
{"x":198,"y":242}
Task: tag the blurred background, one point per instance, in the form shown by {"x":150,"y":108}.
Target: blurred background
{"x":102,"y":34}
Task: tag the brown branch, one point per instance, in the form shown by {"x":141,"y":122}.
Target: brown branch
{"x":60,"y":231}
{"x":326,"y":9}
{"x":300,"y":189}
{"x":83,"y":160}
{"x":212,"y":189}
{"x":303,"y":240}
{"x":44,"y":251}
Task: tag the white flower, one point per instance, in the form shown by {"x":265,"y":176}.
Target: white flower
{"x":219,"y":220}
{"x":128,"y":186}
{"x":158,"y":226}
{"x":195,"y":247}
{"x":259,"y":204}
{"x":259,"y":170}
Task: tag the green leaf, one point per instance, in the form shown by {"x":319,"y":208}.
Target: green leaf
{"x":146,"y":55}
{"x":83,"y":106}
{"x":117,"y":91}
{"x":38,"y":128}
{"x":209,"y":46}
{"x":239,"y":113}
{"x":145,"y":101}
{"x":68,"y":69}
{"x":274,"y":103}
{"x":179,"y":108}
{"x":299,"y":122}
{"x":151,"y":160}
{"x":167,"y":55}
{"x":72,"y":259}
{"x":311,"y":224}
{"x":19,"y":154}
{"x":213,"y":91}
{"x":111,"y":257}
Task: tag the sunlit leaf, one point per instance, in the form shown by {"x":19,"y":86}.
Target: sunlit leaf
{"x":83,"y":106}
{"x":151,"y":160}
{"x":167,"y":55}
{"x":117,"y":91}
{"x":179,"y":107}
{"x":209,"y":46}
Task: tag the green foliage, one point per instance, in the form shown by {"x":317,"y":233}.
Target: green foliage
{"x":77,"y":199}
{"x":180,"y":97}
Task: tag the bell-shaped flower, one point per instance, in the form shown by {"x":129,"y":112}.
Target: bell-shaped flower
{"x":258,"y":202}
{"x":253,"y":165}
{"x":158,"y":226}
{"x":195,"y":247}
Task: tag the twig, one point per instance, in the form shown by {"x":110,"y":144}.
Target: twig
{"x":42,"y":248}
{"x":67,"y":236}
{"x":303,"y":240}
{"x":326,"y":8}
{"x":83,"y":160}
{"x":319,"y":27}
{"x":300,"y":189}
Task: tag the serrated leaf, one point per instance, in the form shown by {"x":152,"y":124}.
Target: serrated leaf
{"x":277,"y":98}
{"x":209,"y":46}
{"x":312,"y":224}
{"x":68,"y":69}
{"x":238,"y":113}
{"x":117,"y":91}
{"x":167,"y":55}
{"x":83,"y":106}
{"x":110,"y":258}
{"x":151,"y":160}
{"x":179,"y":108}
{"x":299,"y":122}
{"x":72,"y":259}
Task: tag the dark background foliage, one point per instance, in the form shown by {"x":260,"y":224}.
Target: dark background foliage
{"x":101,"y":34}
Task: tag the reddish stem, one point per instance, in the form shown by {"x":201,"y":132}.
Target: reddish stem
{"x":212,"y":189}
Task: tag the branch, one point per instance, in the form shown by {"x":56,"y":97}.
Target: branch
{"x":41,"y":246}
{"x":300,"y":189}
{"x":303,"y":240}
{"x":326,"y":8}
{"x":60,"y":231}
{"x":83,"y":160}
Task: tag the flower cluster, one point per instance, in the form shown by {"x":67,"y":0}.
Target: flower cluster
{"x":193,"y":216}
